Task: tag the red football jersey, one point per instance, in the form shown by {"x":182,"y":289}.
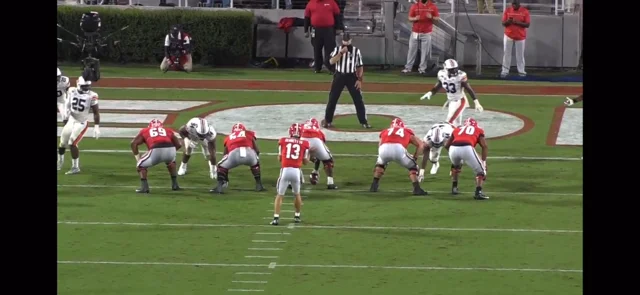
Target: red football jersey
{"x":309,"y":131}
{"x":396,"y":135}
{"x":292,"y":151}
{"x":154,"y":136}
{"x":239,"y":139}
{"x":467,"y":134}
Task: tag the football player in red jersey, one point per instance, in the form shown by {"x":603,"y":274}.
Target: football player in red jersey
{"x":393,"y":148}
{"x":319,"y":151}
{"x":462,"y":147}
{"x":240,"y":148}
{"x":162,"y":144}
{"x":293,"y":152}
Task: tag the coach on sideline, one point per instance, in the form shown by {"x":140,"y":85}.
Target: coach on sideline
{"x":323,"y":15}
{"x":516,"y":20}
{"x":349,"y":72}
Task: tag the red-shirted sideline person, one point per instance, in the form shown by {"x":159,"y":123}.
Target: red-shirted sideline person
{"x":515,"y":20}
{"x":323,"y":16}
{"x":423,"y":14}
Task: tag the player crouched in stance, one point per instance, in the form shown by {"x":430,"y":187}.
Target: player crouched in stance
{"x":462,"y":147}
{"x":393,"y":148}
{"x":198,"y":131}
{"x":240,"y":148}
{"x":162,"y":144}
{"x":293,"y":152}
{"x":80,"y":101}
{"x":63,"y":87}
{"x":454,"y":83}
{"x":319,"y":151}
{"x":435,"y":139}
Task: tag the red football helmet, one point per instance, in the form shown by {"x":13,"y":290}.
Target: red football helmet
{"x":155,"y":123}
{"x":313,"y":122}
{"x":397,"y":122}
{"x":470,"y":122}
{"x":238,"y":127}
{"x":295,"y":130}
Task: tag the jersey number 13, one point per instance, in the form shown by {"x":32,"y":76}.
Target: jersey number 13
{"x":293,"y":151}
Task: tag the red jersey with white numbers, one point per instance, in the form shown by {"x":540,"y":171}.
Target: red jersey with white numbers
{"x":396,"y":135}
{"x":242,"y":138}
{"x":292,"y":151}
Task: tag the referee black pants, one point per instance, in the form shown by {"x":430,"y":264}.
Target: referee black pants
{"x":340,"y":81}
{"x":324,"y":40}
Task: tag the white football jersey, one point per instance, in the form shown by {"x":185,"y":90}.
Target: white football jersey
{"x":79,"y":104}
{"x":452,"y":85}
{"x":438,"y":134}
{"x":193,"y":135}
{"x":63,"y":85}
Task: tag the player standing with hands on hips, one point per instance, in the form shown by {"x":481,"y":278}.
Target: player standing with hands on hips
{"x":515,"y":20}
{"x":349,"y":73}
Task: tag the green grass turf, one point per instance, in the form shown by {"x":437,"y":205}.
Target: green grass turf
{"x":201,"y":72}
{"x":433,"y":231}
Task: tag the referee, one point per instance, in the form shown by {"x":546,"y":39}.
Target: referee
{"x":349,"y":72}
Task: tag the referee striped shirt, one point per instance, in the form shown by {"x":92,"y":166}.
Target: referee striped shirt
{"x":349,"y":61}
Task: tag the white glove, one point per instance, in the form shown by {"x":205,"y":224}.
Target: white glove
{"x":445,"y":105}
{"x":421,"y":175}
{"x":213,"y":171}
{"x":478,"y":106}
{"x":96,"y":131}
{"x":427,"y":96}
{"x":568,"y":101}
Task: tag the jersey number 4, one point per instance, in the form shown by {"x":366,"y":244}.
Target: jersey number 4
{"x":153,"y":132}
{"x":234,"y":135}
{"x":469,"y":130}
{"x":399,"y":132}
{"x":77,"y":104}
{"x":449,"y":87}
{"x":293,"y":151}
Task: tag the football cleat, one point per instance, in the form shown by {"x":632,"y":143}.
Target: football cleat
{"x":419,"y":192}
{"x":313,"y":178}
{"x":275,"y":221}
{"x":373,"y":188}
{"x":454,"y":191}
{"x":142,"y":191}
{"x":480,"y":196}
{"x":182,"y":170}
{"x":297,"y":219}
{"x":332,"y":186}
{"x":260,"y":188}
{"x":73,"y":171}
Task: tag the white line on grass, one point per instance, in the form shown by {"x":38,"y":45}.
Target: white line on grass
{"x":253,"y":256}
{"x":265,"y":249}
{"x":274,"y":265}
{"x":252,"y":273}
{"x":534,"y":158}
{"x":306,"y":91}
{"x":323,"y":192}
{"x":244,"y":290}
{"x":267,"y":241}
{"x":272,"y":233}
{"x":250,"y":282}
{"x":333,"y":227}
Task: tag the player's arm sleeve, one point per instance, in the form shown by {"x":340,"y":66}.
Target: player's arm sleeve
{"x":335,"y":51}
{"x":527,"y":18}
{"x":436,"y":13}
{"x":307,"y":18}
{"x":412,"y":11}
{"x":359,"y":62}
{"x":94,"y":100}
{"x":166,"y":45}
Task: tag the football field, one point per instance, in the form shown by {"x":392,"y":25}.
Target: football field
{"x":526,"y":239}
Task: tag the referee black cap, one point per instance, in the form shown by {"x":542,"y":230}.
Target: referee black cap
{"x":346,"y":37}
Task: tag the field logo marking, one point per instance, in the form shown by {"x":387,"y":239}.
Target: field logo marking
{"x":125,"y":118}
{"x":273,"y":121}
{"x":566,"y":127}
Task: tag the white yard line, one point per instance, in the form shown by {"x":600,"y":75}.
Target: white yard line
{"x":324,"y":192}
{"x":309,"y":91}
{"x":245,"y":290}
{"x":252,"y":273}
{"x":265,"y":249}
{"x":272,"y":233}
{"x":250,"y":282}
{"x":274,"y":265}
{"x":267,"y":241}
{"x":534,"y":158}
{"x":266,"y":257}
{"x":327,"y":227}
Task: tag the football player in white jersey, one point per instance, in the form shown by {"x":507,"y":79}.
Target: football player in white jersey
{"x":433,"y":142}
{"x":198,"y":132}
{"x":63,"y":87}
{"x":80,"y":102}
{"x":454,"y":82}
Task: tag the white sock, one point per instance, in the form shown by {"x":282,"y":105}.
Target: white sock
{"x":60,"y":158}
{"x":276,"y":215}
{"x":75,"y":163}
{"x":297,"y":214}
{"x":183,"y":165}
{"x":329,"y":180}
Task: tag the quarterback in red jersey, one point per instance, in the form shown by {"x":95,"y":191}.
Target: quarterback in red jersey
{"x":240,"y":148}
{"x":293,"y":152}
{"x":462,"y":147}
{"x":312,"y":133}
{"x":162,"y":144}
{"x":393,"y":148}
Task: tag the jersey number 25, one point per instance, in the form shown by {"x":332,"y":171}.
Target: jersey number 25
{"x":293,"y":151}
{"x":77,"y":104}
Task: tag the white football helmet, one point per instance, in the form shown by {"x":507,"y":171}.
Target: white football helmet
{"x":199,"y":127}
{"x":83,"y":86}
{"x":59,"y":74}
{"x":451,"y":66}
